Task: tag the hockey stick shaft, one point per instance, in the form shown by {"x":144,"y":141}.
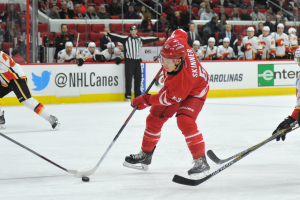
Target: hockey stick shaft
{"x":87,"y":173}
{"x":35,"y":153}
{"x":77,"y":45}
{"x":185,"y":181}
{"x":214,"y":158}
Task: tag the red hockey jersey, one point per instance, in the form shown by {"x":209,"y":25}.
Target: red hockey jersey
{"x":191,"y":79}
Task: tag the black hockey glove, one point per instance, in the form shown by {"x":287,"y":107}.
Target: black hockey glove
{"x":272,"y":56}
{"x":288,"y":55}
{"x":258,"y":56}
{"x":96,"y":58}
{"x":233,"y":58}
{"x":226,"y":58}
{"x":79,"y":62}
{"x":102,"y":58}
{"x":214,"y":58}
{"x":243,"y":49}
{"x":283,"y":125}
{"x":118,"y":60}
{"x":276,"y":44}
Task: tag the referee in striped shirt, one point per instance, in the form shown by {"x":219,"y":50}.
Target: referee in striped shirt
{"x":132,"y":48}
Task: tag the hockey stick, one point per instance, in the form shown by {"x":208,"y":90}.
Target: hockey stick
{"x":76,"y":45}
{"x":35,"y":153}
{"x":215,"y":158}
{"x":191,"y":182}
{"x":87,"y":173}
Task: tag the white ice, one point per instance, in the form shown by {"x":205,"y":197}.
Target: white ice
{"x":229,"y":125}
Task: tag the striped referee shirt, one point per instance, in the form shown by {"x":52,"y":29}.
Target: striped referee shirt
{"x":132,"y":46}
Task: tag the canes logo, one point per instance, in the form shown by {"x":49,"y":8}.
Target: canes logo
{"x":160,"y":81}
{"x":41,"y":82}
{"x":148,"y":51}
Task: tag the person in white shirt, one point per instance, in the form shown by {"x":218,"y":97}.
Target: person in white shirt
{"x":268,"y":44}
{"x":69,"y":55}
{"x":202,"y":8}
{"x":198,"y":52}
{"x":293,"y":41}
{"x":251,"y":46}
{"x":210,"y":51}
{"x":256,"y":15}
{"x":112,"y":53}
{"x":281,"y":43}
{"x":91,"y":54}
{"x":207,"y":15}
{"x":225,"y":52}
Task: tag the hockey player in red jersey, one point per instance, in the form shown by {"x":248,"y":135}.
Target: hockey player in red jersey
{"x":287,"y":122}
{"x":184,"y":93}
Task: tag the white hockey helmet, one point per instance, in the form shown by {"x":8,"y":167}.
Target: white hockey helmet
{"x":297,"y":55}
{"x":196,"y":42}
{"x":110,"y":45}
{"x":226,"y":40}
{"x":92,"y":44}
{"x":250,"y":29}
{"x":120,"y":44}
{"x":211,"y":39}
{"x":292,"y":30}
{"x":68,"y":44}
{"x":280,"y":25}
{"x":266,"y":28}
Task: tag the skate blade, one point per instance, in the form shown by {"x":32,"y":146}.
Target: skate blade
{"x":2,"y":126}
{"x":197,"y":176}
{"x":57,"y":127}
{"x":136,"y":166}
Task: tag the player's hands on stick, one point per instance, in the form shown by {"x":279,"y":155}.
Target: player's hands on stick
{"x":258,"y":56}
{"x":80,"y":62}
{"x":272,"y":56}
{"x":243,"y":48}
{"x":141,"y":102}
{"x":118,"y":60}
{"x":283,"y":125}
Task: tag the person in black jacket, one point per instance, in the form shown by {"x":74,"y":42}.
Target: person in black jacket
{"x":65,"y":12}
{"x":131,"y":14}
{"x":229,"y":4}
{"x":132,"y":47}
{"x":269,"y":24}
{"x":13,"y":15}
{"x":260,"y":29}
{"x":163,"y":24}
{"x":222,"y":12}
{"x":115,"y":8}
{"x":146,"y":25}
{"x":105,"y":39}
{"x":61,"y":40}
{"x":245,"y":16}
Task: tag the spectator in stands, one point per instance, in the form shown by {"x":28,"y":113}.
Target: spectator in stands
{"x":256,"y":15}
{"x":17,"y":57}
{"x":210,"y":28}
{"x":66,"y":13}
{"x":183,"y":6}
{"x":202,"y":8}
{"x":222,"y":24}
{"x":126,"y":6}
{"x":235,"y":15}
{"x":269,"y":24}
{"x":61,"y":40}
{"x":260,"y":29}
{"x":53,"y":14}
{"x":102,"y":14}
{"x":105,"y":39}
{"x":163,"y":24}
{"x":78,"y":14}
{"x":185,"y":19}
{"x":209,"y":3}
{"x":245,"y":16}
{"x":3,"y":17}
{"x":142,"y":12}
{"x":232,"y":36}
{"x":131,"y":14}
{"x":285,"y":29}
{"x":2,"y":35}
{"x":115,"y":8}
{"x":208,"y":14}
{"x":11,"y":33}
{"x":91,"y":14}
{"x":239,"y":3}
{"x":222,"y":12}
{"x":280,"y":15}
{"x":270,"y":13}
{"x":229,"y":4}
{"x":13,"y":15}
{"x":146,"y":25}
{"x":192,"y":35}
{"x":170,"y":7}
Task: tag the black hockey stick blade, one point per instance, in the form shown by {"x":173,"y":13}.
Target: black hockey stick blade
{"x":213,"y":157}
{"x":185,"y":181}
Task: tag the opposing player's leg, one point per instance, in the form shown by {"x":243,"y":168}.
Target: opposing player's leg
{"x":154,"y":122}
{"x":186,"y":120}
{"x":20,"y":88}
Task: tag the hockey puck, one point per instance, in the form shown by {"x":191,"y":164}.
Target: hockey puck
{"x":85,"y":179}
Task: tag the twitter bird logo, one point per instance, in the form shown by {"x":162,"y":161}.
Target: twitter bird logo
{"x":41,"y":82}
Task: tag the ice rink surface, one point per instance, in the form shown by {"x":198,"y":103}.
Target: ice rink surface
{"x":229,"y":125}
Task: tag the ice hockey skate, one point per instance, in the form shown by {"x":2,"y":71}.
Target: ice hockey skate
{"x":54,"y":122}
{"x":138,"y":161}
{"x":2,"y":121}
{"x":200,"y":169}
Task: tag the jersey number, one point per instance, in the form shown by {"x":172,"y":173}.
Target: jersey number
{"x":11,"y":61}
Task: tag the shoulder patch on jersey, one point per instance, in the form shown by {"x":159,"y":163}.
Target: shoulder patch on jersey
{"x":86,"y":51}
{"x":60,"y":52}
{"x":205,"y":47}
